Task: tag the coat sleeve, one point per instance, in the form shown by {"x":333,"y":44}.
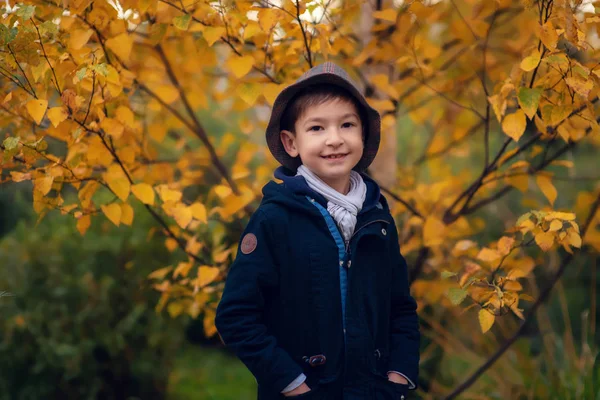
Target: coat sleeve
{"x":405,"y":335}
{"x":239,"y":317}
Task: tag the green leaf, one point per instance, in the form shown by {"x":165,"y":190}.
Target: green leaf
{"x":48,"y":27}
{"x":25,"y":12}
{"x":11,"y":147}
{"x":102,"y":69}
{"x":529,"y":100}
{"x":11,"y":143}
{"x":81,"y":73}
{"x":182,"y":22}
{"x":447,"y":274}
{"x":7,"y":35}
{"x":523,"y":218}
{"x":457,"y":295}
{"x":157,"y":33}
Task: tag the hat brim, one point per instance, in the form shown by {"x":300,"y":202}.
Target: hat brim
{"x":372,"y":124}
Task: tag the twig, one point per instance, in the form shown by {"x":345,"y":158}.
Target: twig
{"x":528,"y":318}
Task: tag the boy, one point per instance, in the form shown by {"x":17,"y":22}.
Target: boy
{"x":317,"y":302}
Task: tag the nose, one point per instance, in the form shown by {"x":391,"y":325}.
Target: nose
{"x":334,"y":138}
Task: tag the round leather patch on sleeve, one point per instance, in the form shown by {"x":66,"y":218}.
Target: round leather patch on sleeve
{"x":249,"y":243}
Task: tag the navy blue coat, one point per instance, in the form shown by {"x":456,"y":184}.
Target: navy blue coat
{"x":283,"y":312}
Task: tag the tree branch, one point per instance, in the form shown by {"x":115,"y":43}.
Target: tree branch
{"x":531,"y":312}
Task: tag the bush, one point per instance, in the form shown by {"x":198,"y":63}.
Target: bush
{"x":80,"y":323}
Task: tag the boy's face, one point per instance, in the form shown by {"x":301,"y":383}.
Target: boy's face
{"x":329,"y":141}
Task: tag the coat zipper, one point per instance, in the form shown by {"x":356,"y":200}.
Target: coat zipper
{"x":347,"y":242}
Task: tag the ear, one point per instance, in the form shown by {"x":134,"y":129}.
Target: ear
{"x":289,"y":142}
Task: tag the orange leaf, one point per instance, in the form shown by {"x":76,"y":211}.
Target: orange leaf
{"x":83,"y":223}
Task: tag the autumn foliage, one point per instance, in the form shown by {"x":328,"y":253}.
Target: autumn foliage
{"x":110,"y":106}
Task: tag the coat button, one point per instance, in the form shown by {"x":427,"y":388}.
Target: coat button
{"x":384,"y":232}
{"x":402,"y":397}
{"x":349,"y":263}
{"x":341,"y":263}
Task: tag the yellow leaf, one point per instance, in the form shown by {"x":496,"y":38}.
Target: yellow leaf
{"x":574,"y":239}
{"x":182,"y":215}
{"x":85,"y":194}
{"x":249,"y":92}
{"x":167,"y":194}
{"x":160,"y":273}
{"x":112,"y":127}
{"x":112,"y":212}
{"x":389,"y":15}
{"x":209,"y":323}
{"x":183,"y":268}
{"x":117,"y":181}
{"x":57,"y":115}
{"x":521,"y":182}
{"x":512,"y":286}
{"x":83,"y":223}
{"x":126,"y":214}
{"x":514,"y":124}
{"x":7,"y":98}
{"x":488,"y":255}
{"x":79,"y":38}
{"x":206,"y":275}
{"x":559,"y":215}
{"x":251,"y":29}
{"x":267,"y":19}
{"x":144,"y":193}
{"x":19,"y":176}
{"x":240,"y":66}
{"x":199,"y":212}
{"x":166,"y":93}
{"x":545,"y":184}
{"x":547,"y":35}
{"x":125,"y":116}
{"x":486,"y":320}
{"x":530,"y":62}
{"x":43,"y":184}
{"x":555,"y":225}
{"x":271,"y":91}
{"x":222,"y":191}
{"x":121,"y":45}
{"x":559,"y":113}
{"x":171,"y":244}
{"x":581,"y":86}
{"x":505,"y":245}
{"x":212,"y":34}
{"x":235,"y":203}
{"x":545,"y":240}
{"x":37,"y":109}
{"x":433,"y":231}
{"x":175,"y":309}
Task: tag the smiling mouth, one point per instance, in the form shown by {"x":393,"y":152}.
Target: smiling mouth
{"x":335,"y":156}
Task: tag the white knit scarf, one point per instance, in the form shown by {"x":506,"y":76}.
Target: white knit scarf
{"x":343,"y":208}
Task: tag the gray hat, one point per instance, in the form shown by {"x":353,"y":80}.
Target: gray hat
{"x":326,"y":73}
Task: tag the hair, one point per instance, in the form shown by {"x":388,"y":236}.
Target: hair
{"x":315,"y":95}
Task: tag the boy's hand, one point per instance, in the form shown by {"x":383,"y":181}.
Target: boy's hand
{"x":298,"y":391}
{"x":397,"y":378}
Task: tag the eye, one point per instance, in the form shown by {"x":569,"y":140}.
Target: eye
{"x":348,"y":124}
{"x":315,"y":128}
